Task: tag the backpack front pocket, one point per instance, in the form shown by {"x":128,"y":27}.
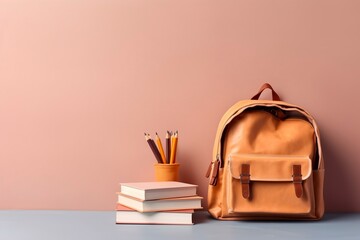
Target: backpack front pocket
{"x":269,"y":185}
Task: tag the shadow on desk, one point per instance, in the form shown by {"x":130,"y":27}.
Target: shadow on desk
{"x":203,"y":216}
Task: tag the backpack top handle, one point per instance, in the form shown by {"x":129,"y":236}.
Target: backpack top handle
{"x":275,"y":96}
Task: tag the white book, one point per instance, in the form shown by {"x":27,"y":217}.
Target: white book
{"x":126,"y":215}
{"x":157,"y":190}
{"x":140,"y":205}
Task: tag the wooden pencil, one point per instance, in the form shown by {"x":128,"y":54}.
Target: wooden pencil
{"x":160,"y":148}
{"x":174,"y":140}
{"x":153,"y":147}
{"x":168,"y":147}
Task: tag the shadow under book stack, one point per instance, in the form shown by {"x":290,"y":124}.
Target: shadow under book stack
{"x":157,"y":203}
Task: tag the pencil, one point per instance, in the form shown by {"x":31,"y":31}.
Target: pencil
{"x":168,"y":147}
{"x":174,"y":140}
{"x":160,"y":148}
{"x":153,"y":147}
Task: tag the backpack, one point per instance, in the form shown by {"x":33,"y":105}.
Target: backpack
{"x":267,"y":163}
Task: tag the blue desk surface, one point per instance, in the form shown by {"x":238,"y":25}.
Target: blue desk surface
{"x":101,"y":225}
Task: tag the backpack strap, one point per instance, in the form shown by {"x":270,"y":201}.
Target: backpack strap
{"x":245,"y":180}
{"x":297,"y":180}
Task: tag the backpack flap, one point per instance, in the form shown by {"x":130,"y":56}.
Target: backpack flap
{"x":273,"y":184}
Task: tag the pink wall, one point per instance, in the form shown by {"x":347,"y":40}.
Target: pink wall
{"x":80,"y":81}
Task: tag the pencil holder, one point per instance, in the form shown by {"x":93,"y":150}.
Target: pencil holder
{"x":166,"y":172}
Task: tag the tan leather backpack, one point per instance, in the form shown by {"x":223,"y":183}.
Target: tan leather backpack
{"x":267,"y":163}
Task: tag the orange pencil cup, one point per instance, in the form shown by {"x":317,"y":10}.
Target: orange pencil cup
{"x":166,"y":172}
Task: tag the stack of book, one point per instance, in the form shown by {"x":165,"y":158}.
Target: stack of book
{"x":157,"y":203}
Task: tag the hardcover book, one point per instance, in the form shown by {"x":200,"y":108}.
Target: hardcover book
{"x":157,"y":190}
{"x":140,"y":205}
{"x":125,"y":215}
